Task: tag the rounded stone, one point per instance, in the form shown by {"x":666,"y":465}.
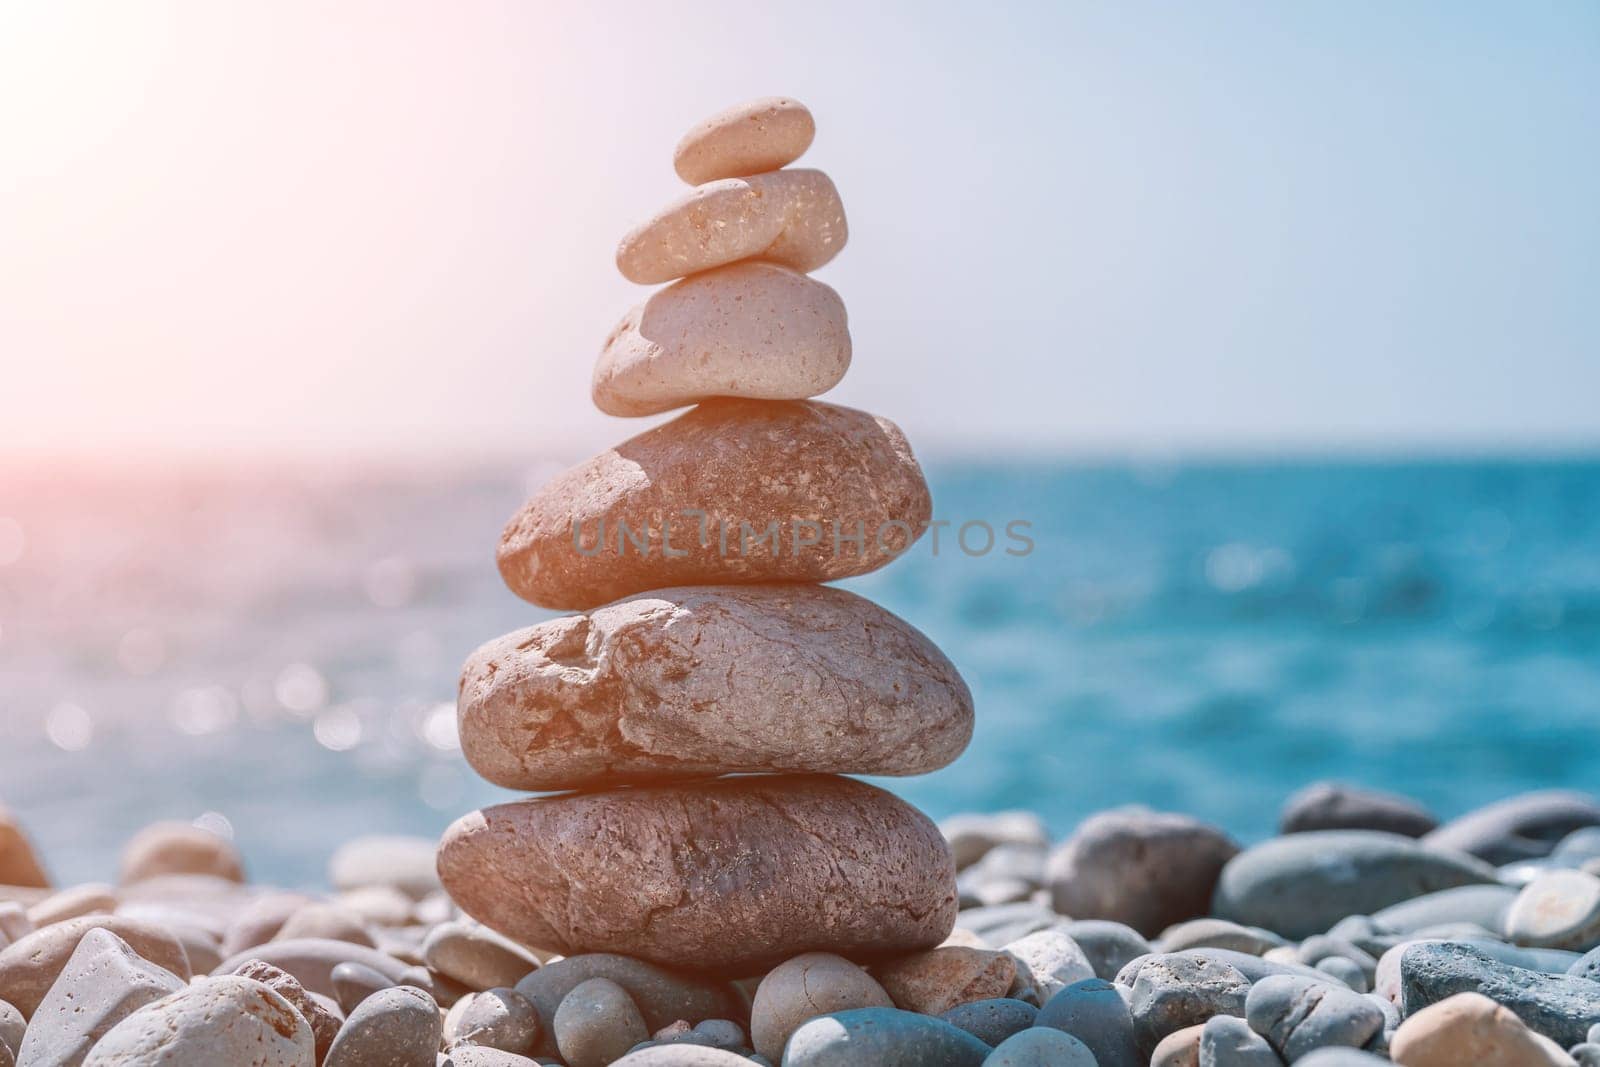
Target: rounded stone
{"x":103,"y":983}
{"x":179,"y":848}
{"x":396,"y":1027}
{"x":1178,"y":991}
{"x":937,"y":980}
{"x":1219,"y":933}
{"x":1297,"y":1015}
{"x":674,"y":875}
{"x":1139,"y":867}
{"x":597,"y":1023}
{"x":972,"y":836}
{"x":1108,"y":946}
{"x":662,"y":995}
{"x":1559,"y":1006}
{"x":324,"y":1023}
{"x":811,"y":984}
{"x":708,"y":680}
{"x":1470,"y":1028}
{"x":749,"y":138}
{"x":1301,"y":884}
{"x":991,"y":1021}
{"x":1558,"y":909}
{"x":396,"y":860}
{"x":1094,"y":1012}
{"x":354,"y":982}
{"x":260,"y":920}
{"x":497,"y":1018}
{"x":19,"y":864}
{"x":884,"y":1037}
{"x":790,"y":217}
{"x":1041,"y":1047}
{"x":751,"y":329}
{"x":226,"y":1019}
{"x":29,"y":966}
{"x":476,"y":956}
{"x":731,"y":491}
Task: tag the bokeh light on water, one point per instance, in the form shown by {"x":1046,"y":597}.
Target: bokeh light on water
{"x":278,"y":654}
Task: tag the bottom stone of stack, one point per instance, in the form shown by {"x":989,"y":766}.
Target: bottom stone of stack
{"x":731,"y":874}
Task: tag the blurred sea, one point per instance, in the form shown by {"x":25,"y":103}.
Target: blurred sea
{"x":277,"y":653}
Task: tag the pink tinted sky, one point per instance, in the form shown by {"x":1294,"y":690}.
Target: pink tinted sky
{"x":299,"y":228}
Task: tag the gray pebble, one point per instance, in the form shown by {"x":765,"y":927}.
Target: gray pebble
{"x":721,"y":1033}
{"x":1297,"y":1015}
{"x":597,"y":1023}
{"x":496,"y":1018}
{"x":1041,"y":1047}
{"x":992,"y":1021}
{"x":1481,"y":905}
{"x":1334,"y":806}
{"x":354,"y":982}
{"x":883,"y":1037}
{"x":1302,"y":884}
{"x":1226,"y":1041}
{"x":1342,"y":1057}
{"x":396,"y":1027}
{"x":1586,"y":1055}
{"x":1560,"y":1007}
{"x":1175,"y":991}
{"x":1219,"y":933}
{"x":1094,"y":1012}
{"x":1347,"y":972}
{"x":662,"y":996}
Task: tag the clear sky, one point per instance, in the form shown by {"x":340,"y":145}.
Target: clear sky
{"x":388,"y":227}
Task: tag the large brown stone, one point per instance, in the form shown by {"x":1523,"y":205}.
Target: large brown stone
{"x":19,"y":866}
{"x":734,"y":874}
{"x":708,"y":680}
{"x":731,"y":491}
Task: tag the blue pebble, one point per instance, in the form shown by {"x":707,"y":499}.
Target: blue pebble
{"x":884,"y":1037}
{"x":1041,"y":1047}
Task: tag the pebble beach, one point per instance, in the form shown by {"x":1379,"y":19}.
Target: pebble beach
{"x":705,"y":880}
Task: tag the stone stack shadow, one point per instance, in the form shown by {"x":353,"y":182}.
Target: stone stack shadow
{"x":698,"y":707}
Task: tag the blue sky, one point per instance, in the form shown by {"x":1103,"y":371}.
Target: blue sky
{"x":388,"y":228}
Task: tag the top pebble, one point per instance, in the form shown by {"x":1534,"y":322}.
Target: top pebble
{"x":750,"y":138}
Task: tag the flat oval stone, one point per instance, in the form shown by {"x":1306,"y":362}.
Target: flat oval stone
{"x":1481,"y":905}
{"x":397,"y":1027}
{"x":884,"y":1037}
{"x":663,"y":995}
{"x":89,"y":899}
{"x":103,"y":983}
{"x":707,"y":680}
{"x":226,"y":1019}
{"x":811,"y":984}
{"x":749,"y":138}
{"x":733,"y":874}
{"x":394,"y":860}
{"x":1558,"y":909}
{"x":1334,"y":806}
{"x":312,"y":960}
{"x":476,"y":956}
{"x":790,"y":217}
{"x":1301,"y":884}
{"x":179,"y":848}
{"x":1561,"y":1007}
{"x":1144,"y":868}
{"x":1042,"y":1047}
{"x":730,"y":491}
{"x":752,"y":329}
{"x":1518,"y":828}
{"x":30,"y":966}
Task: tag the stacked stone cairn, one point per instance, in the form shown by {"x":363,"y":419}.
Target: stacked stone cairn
{"x":703,"y":702}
